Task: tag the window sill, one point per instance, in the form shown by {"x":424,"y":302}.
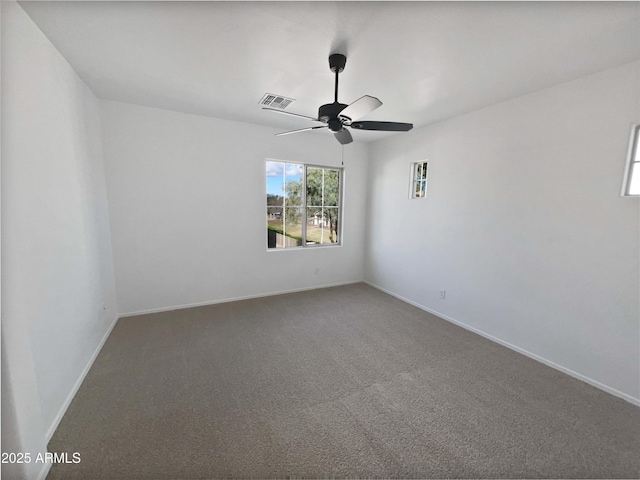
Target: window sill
{"x":308,"y":247}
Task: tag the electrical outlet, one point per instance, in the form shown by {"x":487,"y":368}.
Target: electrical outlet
{"x":443,"y":294}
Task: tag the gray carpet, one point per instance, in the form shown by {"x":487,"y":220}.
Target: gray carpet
{"x":338,"y":382}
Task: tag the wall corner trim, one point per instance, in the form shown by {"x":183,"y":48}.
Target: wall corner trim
{"x":549,"y":363}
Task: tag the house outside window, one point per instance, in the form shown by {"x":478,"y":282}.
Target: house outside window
{"x":303,"y":205}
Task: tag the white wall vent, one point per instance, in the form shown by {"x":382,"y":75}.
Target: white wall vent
{"x":275,"y":101}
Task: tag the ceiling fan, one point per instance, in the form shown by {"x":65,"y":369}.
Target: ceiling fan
{"x":336,"y":116}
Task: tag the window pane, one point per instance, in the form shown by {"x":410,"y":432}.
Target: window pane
{"x":275,"y":183}
{"x":284,"y":227}
{"x":314,"y":186}
{"x":293,"y":226}
{"x":275,"y":227}
{"x":314,"y":225}
{"x":424,"y":171}
{"x":330,"y":228}
{"x":274,"y":200}
{"x":331,"y":188}
{"x":293,"y":184}
{"x":322,"y":225}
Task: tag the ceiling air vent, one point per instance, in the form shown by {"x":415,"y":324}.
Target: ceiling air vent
{"x":275,"y":101}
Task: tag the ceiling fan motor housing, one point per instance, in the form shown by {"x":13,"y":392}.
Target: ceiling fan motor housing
{"x":329,"y":114}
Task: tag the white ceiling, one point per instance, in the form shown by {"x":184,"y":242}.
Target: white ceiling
{"x":426,"y":61}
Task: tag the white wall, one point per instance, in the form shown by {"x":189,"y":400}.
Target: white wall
{"x":57,"y":266}
{"x":187,"y":208}
{"x":523,"y":225}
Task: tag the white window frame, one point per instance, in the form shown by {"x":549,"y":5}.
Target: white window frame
{"x":632,"y":166}
{"x":414,"y":180}
{"x":304,"y":244}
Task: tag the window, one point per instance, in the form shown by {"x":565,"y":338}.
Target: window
{"x":419,"y":180}
{"x":303,"y":205}
{"x":631,"y":184}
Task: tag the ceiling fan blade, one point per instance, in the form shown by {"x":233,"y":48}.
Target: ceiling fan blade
{"x":292,"y":114}
{"x":384,"y":126}
{"x":358,"y":109}
{"x":343,"y":136}
{"x":301,"y":130}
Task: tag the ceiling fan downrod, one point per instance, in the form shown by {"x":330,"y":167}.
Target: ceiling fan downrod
{"x":337,"y":62}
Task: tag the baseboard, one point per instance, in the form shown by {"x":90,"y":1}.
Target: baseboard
{"x":579,"y":376}
{"x":74,"y":390}
{"x":234,"y":299}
